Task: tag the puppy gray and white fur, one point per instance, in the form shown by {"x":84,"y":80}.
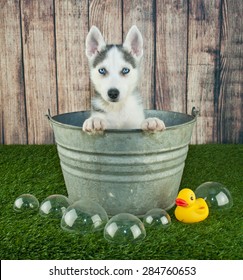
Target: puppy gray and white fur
{"x":115,"y":71}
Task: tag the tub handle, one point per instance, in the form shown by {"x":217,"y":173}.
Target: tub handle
{"x":48,"y":115}
{"x":195,"y":112}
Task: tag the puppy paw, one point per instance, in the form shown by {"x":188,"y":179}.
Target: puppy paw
{"x":94,"y":125}
{"x":153,"y":125}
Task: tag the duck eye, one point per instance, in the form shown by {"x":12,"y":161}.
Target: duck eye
{"x":125,"y":71}
{"x":192,"y":198}
{"x":102,"y":71}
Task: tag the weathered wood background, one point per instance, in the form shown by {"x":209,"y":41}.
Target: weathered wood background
{"x":193,"y":57}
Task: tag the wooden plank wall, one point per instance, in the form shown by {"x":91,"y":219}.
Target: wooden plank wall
{"x":193,"y":56}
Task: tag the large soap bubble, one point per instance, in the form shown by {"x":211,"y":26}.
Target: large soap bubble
{"x":26,"y":203}
{"x":215,"y":194}
{"x":83,"y":217}
{"x":124,"y":228}
{"x":54,"y":206}
{"x":157,"y":217}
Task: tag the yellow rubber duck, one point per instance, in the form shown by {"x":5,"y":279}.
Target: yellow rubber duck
{"x":189,"y":209}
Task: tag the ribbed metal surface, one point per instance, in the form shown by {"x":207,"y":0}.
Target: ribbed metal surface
{"x":124,"y":171}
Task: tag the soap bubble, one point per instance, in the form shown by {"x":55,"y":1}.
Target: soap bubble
{"x":124,"y":228}
{"x":83,"y":217}
{"x":157,"y":217}
{"x":54,"y":206}
{"x":215,"y":194}
{"x":26,"y":202}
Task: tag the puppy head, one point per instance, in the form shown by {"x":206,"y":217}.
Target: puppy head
{"x":114,"y":68}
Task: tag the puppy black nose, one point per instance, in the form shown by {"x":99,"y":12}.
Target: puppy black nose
{"x":113,"y":93}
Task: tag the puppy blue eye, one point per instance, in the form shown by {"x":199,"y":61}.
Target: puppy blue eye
{"x":125,"y":71}
{"x":102,"y":71}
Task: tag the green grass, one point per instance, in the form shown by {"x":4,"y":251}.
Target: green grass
{"x":36,"y":170}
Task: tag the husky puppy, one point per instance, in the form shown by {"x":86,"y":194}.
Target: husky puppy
{"x":114,"y":71}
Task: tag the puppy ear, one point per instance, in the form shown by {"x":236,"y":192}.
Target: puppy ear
{"x":134,"y":42}
{"x":94,"y":42}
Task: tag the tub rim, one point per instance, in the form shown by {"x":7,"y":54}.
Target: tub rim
{"x":194,"y":115}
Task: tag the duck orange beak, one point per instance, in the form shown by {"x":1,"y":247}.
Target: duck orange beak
{"x":181,"y":202}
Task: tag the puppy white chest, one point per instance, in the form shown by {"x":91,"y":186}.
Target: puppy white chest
{"x":128,"y":116}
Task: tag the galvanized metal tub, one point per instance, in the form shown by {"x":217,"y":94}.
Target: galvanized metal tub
{"x":123,"y":170}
